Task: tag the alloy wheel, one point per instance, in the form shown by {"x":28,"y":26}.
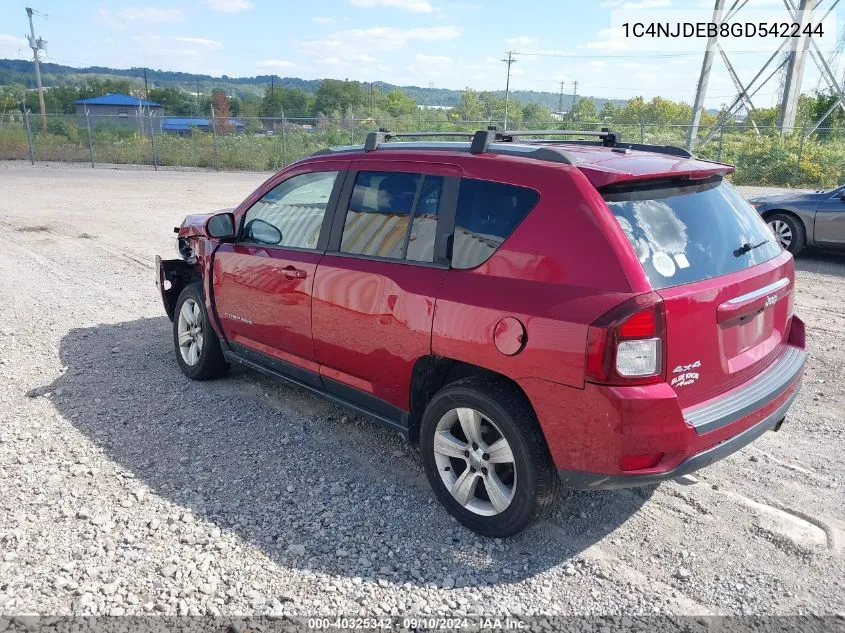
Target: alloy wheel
{"x":782,"y":232}
{"x":475,"y":461}
{"x":190,"y":331}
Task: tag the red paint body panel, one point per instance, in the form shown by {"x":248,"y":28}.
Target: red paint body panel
{"x":590,"y":429}
{"x":729,"y":351}
{"x":604,"y":167}
{"x":262,"y":305}
{"x":372,"y":321}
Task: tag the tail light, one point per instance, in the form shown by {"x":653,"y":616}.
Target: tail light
{"x":626,"y":345}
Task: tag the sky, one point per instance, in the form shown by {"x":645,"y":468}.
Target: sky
{"x":442,"y":43}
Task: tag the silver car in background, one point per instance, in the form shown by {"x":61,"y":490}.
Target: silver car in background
{"x":802,"y":219}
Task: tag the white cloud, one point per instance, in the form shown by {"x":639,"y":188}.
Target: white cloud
{"x":383,"y":38}
{"x":276,"y":63}
{"x":520,"y":42}
{"x":609,"y":40}
{"x":122,"y":18}
{"x":229,"y":6}
{"x":638,"y":4}
{"x":433,"y":60}
{"x":195,"y":48}
{"x":200,"y":41}
{"x":414,"y":6}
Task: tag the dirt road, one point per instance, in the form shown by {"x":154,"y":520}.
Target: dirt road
{"x":125,"y":488}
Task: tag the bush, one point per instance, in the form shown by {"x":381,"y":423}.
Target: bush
{"x":765,"y":159}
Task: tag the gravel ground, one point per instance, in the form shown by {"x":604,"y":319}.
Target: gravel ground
{"x":127,"y":489}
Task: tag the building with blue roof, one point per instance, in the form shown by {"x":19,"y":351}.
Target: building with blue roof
{"x":185,"y":126}
{"x":121,"y":110}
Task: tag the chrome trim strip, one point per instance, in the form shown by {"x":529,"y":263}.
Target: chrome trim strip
{"x":761,"y":292}
{"x":757,"y":394}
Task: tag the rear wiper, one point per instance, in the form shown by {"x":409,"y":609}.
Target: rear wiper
{"x":748,"y":247}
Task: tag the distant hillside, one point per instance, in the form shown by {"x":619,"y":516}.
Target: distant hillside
{"x":20,"y":71}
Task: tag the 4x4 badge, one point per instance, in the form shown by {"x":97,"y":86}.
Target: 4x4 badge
{"x":685,"y":376}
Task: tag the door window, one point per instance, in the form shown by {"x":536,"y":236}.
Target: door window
{"x":487,"y":214}
{"x":291,"y":214}
{"x":393,"y":215}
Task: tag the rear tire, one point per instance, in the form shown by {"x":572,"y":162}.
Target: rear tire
{"x":197,"y":347}
{"x":788,"y":231}
{"x":486,"y":458}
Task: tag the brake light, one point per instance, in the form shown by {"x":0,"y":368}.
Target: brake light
{"x":625,"y":346}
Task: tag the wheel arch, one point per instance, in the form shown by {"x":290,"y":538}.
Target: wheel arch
{"x":432,"y":373}
{"x":179,"y":274}
{"x":808,"y":232}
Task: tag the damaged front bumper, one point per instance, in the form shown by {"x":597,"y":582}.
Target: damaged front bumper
{"x":172,"y":275}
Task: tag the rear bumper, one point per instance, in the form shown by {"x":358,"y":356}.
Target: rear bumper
{"x":596,"y":481}
{"x":592,"y":431}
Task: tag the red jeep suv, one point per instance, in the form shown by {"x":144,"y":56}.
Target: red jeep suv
{"x":534,"y":313}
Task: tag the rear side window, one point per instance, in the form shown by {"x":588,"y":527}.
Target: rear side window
{"x":687,"y":234}
{"x":393,"y":215}
{"x":487,"y":214}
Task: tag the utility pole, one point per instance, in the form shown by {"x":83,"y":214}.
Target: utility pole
{"x":198,"y":97}
{"x":509,"y":61}
{"x":704,"y":78}
{"x":795,"y":71}
{"x":560,"y":100}
{"x":37,"y":44}
{"x":574,"y":96}
{"x":146,"y":87}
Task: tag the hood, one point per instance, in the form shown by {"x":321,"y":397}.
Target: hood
{"x":785,"y":197}
{"x":194,"y":224}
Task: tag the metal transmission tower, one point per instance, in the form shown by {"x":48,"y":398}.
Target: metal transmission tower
{"x":793,"y":62}
{"x":704,"y":78}
{"x":509,"y":61}
{"x":37,"y":44}
{"x":795,"y":69}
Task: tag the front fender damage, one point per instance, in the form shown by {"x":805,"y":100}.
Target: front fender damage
{"x":171,"y":278}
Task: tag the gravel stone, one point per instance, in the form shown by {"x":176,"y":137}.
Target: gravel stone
{"x":127,"y":489}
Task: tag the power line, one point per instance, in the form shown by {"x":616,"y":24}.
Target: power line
{"x":631,"y":55}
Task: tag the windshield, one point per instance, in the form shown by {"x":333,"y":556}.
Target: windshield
{"x":690,"y":233}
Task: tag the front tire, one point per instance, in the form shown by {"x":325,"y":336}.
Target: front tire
{"x":197,"y":347}
{"x":486,"y":458}
{"x":788,"y":231}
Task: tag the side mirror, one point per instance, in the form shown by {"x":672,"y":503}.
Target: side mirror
{"x":221,"y":226}
{"x":263,"y":232}
{"x":842,"y":196}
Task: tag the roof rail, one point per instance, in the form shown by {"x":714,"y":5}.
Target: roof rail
{"x":479,"y":145}
{"x":607,"y":137}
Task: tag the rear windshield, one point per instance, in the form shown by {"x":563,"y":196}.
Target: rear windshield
{"x":689,"y":233}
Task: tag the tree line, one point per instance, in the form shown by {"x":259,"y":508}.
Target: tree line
{"x":337,"y":99}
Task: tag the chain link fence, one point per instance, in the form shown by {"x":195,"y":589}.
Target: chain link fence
{"x":763,"y":156}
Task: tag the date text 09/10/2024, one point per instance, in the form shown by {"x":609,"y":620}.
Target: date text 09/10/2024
{"x":480,"y":623}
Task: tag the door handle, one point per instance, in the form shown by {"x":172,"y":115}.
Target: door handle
{"x":291,"y":272}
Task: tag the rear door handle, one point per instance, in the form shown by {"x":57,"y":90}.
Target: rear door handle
{"x":290,"y":272}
